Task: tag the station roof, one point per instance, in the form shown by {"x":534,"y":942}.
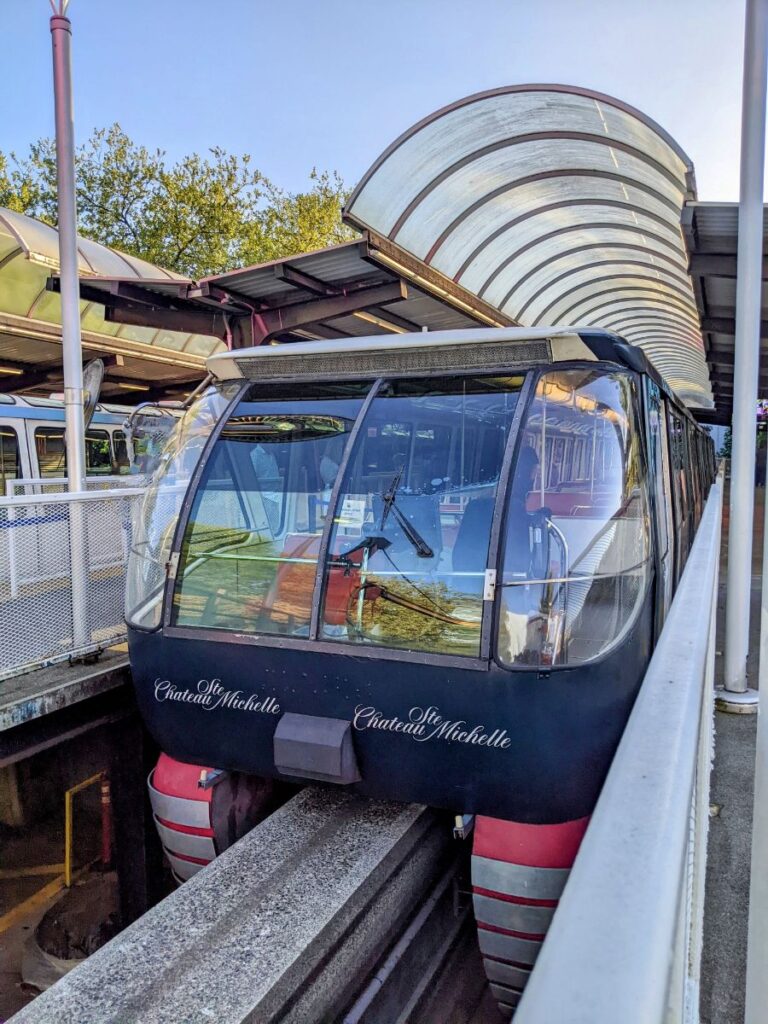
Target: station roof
{"x":535,"y":205}
{"x":356,"y":288}
{"x":711,"y":234}
{"x":138,"y":357}
{"x":555,"y":205}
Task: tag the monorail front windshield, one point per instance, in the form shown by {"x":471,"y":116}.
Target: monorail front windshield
{"x":365,"y":514}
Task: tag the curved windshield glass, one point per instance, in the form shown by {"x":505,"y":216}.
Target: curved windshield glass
{"x":412,"y":528}
{"x":156,"y":520}
{"x":251,"y":543}
{"x":576,"y":556}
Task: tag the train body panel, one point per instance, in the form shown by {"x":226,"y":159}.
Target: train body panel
{"x":447,"y":563}
{"x":522,"y":745}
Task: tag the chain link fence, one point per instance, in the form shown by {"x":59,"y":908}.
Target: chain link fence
{"x":62,"y":573}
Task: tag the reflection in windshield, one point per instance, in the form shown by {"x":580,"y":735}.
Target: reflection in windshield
{"x":156,"y":521}
{"x":576,"y":554}
{"x":252,"y":540}
{"x":409,"y":547}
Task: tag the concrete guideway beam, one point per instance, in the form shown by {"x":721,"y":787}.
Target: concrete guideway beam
{"x":267,"y":932}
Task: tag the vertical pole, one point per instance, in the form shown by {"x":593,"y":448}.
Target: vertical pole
{"x":106,"y":823}
{"x":757,"y":935}
{"x":747,"y":347}
{"x":68,"y":838}
{"x":72,"y":350}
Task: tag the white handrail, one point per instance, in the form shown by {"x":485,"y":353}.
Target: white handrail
{"x":625,"y":943}
{"x":58,"y":481}
{"x":66,"y":497}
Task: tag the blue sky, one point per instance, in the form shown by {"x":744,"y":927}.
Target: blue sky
{"x":331,"y":83}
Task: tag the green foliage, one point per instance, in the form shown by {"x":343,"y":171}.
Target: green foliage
{"x":200,"y":215}
{"x":725,"y":450}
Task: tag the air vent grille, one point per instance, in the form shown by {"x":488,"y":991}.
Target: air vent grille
{"x":392,"y":361}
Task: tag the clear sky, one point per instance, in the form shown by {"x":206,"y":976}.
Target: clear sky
{"x":330,"y":83}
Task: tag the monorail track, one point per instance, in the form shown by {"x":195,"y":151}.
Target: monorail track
{"x":335,"y":908}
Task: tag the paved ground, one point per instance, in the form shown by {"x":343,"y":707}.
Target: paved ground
{"x":727,"y":900}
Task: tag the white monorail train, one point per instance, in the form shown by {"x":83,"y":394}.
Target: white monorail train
{"x":32,"y":440}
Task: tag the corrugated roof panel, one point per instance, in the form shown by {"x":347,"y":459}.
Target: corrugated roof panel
{"x":337,"y":263}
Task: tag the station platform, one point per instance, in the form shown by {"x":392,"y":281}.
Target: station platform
{"x":730,"y":835}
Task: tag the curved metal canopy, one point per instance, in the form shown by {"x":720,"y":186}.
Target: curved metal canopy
{"x":29,"y":251}
{"x":556,"y":205}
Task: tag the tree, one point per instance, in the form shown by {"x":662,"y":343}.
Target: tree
{"x":200,"y":215}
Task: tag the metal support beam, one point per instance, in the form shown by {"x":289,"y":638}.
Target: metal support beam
{"x":71,"y":341}
{"x":748,"y":306}
{"x":727,"y":325}
{"x":32,"y":375}
{"x":299,"y":279}
{"x":170,"y":319}
{"x":395,"y":320}
{"x":717,"y":265}
{"x":145,"y":296}
{"x":275,"y":321}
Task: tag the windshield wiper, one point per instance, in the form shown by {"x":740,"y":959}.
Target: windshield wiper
{"x":423,"y":550}
{"x":368,"y":545}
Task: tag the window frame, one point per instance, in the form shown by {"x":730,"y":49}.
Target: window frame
{"x":636,"y":380}
{"x":19,"y":468}
{"x":488,"y":655}
{"x":193,"y":489}
{"x":486,"y":637}
{"x":104,"y":435}
{"x":341,"y":648}
{"x":46,"y":429}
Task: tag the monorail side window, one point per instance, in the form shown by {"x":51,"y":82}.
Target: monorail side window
{"x":10,"y":464}
{"x":659,"y":470}
{"x":576,"y":556}
{"x":120,"y":444}
{"x":412,"y":527}
{"x":680,"y":488}
{"x":249,"y":554}
{"x":154,"y":525}
{"x":98,"y":455}
{"x":51,"y":450}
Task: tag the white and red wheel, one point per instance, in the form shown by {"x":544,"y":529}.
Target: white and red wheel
{"x":518,"y":874}
{"x":200,"y":811}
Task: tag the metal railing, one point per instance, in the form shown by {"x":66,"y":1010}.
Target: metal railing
{"x":22,"y":486}
{"x":62,"y":574}
{"x":625,"y":943}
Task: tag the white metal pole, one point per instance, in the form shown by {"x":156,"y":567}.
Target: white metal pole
{"x":71,"y":342}
{"x":757,"y":936}
{"x":747,"y":347}
{"x":72,"y":350}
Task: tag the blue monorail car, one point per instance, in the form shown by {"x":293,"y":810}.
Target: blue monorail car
{"x":429,"y":567}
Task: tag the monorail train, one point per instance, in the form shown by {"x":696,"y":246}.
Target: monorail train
{"x":429,"y":567}
{"x":32,"y":440}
